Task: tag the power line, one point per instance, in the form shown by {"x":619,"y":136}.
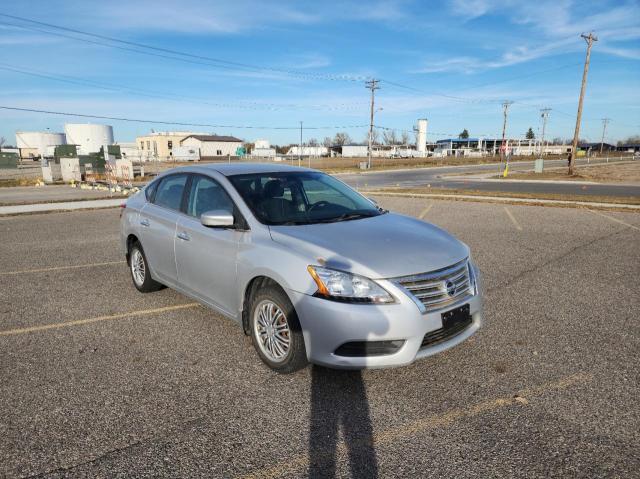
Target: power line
{"x":213,"y":60}
{"x":160,"y":122}
{"x":174,"y":97}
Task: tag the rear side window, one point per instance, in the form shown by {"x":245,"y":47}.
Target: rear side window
{"x":169,"y":193}
{"x":150,"y":190}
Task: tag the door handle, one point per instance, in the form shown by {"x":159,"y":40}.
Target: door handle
{"x":144,"y":222}
{"x":183,"y":236}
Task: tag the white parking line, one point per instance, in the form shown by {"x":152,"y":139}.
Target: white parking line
{"x":425,"y":211}
{"x":78,"y":322}
{"x":615,"y":219}
{"x":293,"y":466}
{"x":513,"y":219}
{"x":58,"y":268}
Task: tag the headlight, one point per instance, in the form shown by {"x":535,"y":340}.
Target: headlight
{"x":341,"y":286}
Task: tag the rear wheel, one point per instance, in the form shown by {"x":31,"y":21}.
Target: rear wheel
{"x":275,"y":331}
{"x":139,"y":268}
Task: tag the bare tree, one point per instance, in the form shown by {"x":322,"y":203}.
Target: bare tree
{"x":3,"y":140}
{"x":404,"y":138}
{"x":342,"y":138}
{"x":328,"y":142}
{"x":390,"y":137}
{"x":312,"y":142}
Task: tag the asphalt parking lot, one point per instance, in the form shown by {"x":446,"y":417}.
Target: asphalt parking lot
{"x":98,"y":380}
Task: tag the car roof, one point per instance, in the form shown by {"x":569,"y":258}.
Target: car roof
{"x":230,"y":169}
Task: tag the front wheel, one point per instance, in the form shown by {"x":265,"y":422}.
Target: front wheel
{"x":275,"y":331}
{"x":140,"y":273}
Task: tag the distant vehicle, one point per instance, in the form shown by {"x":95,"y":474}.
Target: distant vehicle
{"x":311,"y":269}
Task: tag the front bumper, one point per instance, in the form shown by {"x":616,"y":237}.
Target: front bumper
{"x":326,"y":325}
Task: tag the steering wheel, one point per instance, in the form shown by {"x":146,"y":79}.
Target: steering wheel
{"x":319,"y":204}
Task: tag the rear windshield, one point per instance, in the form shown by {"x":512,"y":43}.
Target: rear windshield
{"x":305,"y":197}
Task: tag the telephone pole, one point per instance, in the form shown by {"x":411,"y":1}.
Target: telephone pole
{"x":300,"y":147}
{"x":503,"y":148}
{"x":373,"y":86}
{"x":574,"y":149}
{"x":605,"y":122}
{"x":544,"y":113}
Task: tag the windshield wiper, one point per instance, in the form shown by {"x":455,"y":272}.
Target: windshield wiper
{"x":346,"y":217}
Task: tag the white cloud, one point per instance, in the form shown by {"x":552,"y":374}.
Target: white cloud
{"x":557,"y":23}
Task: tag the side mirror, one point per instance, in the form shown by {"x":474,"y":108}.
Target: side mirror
{"x":217,"y":219}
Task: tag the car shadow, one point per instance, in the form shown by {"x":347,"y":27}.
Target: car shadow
{"x":339,"y":403}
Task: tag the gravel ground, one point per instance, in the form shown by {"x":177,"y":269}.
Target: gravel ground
{"x":549,"y":387}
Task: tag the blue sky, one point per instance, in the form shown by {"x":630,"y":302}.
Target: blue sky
{"x":452,"y":62}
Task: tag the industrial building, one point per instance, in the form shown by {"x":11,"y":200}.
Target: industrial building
{"x":262,"y":148}
{"x":596,"y":147}
{"x":160,"y":145}
{"x":312,"y":151}
{"x":476,"y":147}
{"x":213,"y":145}
{"x":88,"y":138}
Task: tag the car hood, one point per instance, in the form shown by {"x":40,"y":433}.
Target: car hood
{"x":384,"y":246}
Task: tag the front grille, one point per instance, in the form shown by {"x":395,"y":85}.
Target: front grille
{"x":443,"y":334}
{"x":441,"y":288}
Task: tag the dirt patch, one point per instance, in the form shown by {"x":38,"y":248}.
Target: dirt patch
{"x":619,"y":172}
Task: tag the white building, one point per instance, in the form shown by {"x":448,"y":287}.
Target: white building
{"x":313,"y":151}
{"x":263,"y":152}
{"x":89,"y":137}
{"x":130,"y":151}
{"x":213,"y":145}
{"x":355,"y":151}
{"x":261,"y":144}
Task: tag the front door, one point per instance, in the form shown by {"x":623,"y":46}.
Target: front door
{"x":205,"y":256}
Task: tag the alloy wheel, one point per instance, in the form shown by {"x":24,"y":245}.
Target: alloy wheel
{"x":138,"y":268}
{"x":272,"y":331}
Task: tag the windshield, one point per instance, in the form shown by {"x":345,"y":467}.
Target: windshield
{"x":304,"y":197}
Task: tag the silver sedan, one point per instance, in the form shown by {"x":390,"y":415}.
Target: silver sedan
{"x":311,"y":270}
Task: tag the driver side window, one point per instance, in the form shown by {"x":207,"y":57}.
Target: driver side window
{"x":207,"y":195}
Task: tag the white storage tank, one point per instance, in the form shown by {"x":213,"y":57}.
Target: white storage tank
{"x":88,"y":136}
{"x":421,"y":139}
{"x":39,"y":141}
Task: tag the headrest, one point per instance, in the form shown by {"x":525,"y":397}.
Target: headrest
{"x":273,"y":189}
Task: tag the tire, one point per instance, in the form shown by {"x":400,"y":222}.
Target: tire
{"x":270,"y":305}
{"x":139,"y":269}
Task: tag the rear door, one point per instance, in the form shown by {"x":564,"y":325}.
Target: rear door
{"x":158,"y":221}
{"x":205,"y":256}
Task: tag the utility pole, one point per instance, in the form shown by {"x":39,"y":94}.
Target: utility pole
{"x":373,"y":86}
{"x":300,"y":147}
{"x":605,"y":122}
{"x":574,"y":149}
{"x":545,"y":116}
{"x":503,"y":148}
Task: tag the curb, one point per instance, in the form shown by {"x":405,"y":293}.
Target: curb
{"x":63,"y":206}
{"x":505,"y":199}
